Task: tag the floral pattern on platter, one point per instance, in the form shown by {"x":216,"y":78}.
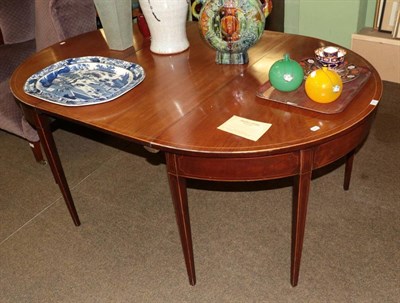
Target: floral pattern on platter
{"x":84,"y":80}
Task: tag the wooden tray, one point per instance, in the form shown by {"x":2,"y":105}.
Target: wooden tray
{"x":300,"y":99}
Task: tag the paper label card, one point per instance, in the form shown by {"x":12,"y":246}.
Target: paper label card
{"x":246,"y":128}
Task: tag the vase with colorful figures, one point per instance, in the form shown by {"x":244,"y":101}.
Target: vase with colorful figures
{"x":232,"y":26}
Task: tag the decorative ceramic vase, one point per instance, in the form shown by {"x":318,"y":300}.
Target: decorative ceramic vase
{"x":116,"y":19}
{"x":286,"y":75}
{"x":232,"y":26}
{"x":166,"y":20}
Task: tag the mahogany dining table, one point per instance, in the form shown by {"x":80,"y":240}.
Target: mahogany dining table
{"x":182,"y":101}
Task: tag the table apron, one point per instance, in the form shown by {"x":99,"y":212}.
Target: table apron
{"x":267,"y":167}
{"x":234,"y":169}
{"x":339,"y":147}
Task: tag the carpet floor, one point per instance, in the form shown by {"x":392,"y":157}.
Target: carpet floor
{"x":128,"y":249}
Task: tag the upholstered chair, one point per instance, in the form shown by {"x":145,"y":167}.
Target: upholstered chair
{"x":57,"y":20}
{"x":27,"y":26}
{"x":17,"y":26}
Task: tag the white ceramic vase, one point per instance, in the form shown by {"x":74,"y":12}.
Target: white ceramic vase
{"x":116,"y":18}
{"x":167,"y":24}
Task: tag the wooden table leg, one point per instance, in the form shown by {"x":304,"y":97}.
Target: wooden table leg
{"x":37,"y":152}
{"x":348,"y":169}
{"x":179,"y":197}
{"x":300,"y":200}
{"x":46,"y":137}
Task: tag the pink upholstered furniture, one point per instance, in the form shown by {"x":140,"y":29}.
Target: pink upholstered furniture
{"x":27,"y":26}
{"x":17,"y":25}
{"x":57,"y":20}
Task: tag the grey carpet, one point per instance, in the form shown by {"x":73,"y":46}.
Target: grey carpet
{"x":128,"y":248}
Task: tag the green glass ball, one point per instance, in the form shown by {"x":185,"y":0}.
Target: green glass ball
{"x":286,"y":74}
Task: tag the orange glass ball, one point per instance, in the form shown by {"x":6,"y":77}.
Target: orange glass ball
{"x":323,"y":85}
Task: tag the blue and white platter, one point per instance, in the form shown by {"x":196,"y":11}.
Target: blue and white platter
{"x":84,"y":80}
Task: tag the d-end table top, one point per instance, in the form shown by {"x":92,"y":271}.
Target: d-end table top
{"x":186,"y":96}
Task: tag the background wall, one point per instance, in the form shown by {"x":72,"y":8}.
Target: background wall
{"x":332,"y":20}
{"x":275,"y":21}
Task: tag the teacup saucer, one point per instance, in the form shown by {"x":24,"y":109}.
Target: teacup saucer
{"x":346,"y":71}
